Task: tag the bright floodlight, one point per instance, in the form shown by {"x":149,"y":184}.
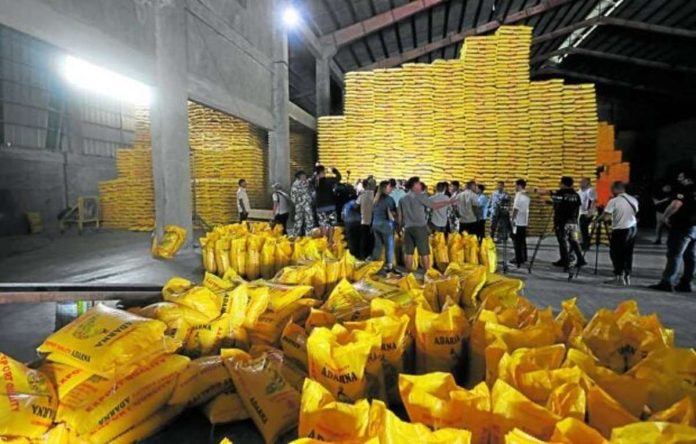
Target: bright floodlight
{"x":290,"y":17}
{"x":102,"y":81}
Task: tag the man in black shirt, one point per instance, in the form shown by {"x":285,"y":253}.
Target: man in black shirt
{"x":324,"y":187}
{"x":566,"y":212}
{"x":680,"y":218}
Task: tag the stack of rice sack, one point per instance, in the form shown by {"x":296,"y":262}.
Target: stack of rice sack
{"x":481,"y":107}
{"x":512,"y":90}
{"x":455,"y":116}
{"x":302,"y":151}
{"x":128,"y":202}
{"x":442,"y":154}
{"x":225,"y":149}
{"x":334,"y":144}
{"x":579,"y":130}
{"x":609,"y":158}
{"x":357,"y":152}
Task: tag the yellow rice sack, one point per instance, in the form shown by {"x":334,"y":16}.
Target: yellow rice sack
{"x":202,"y":380}
{"x":176,"y":285}
{"x":172,"y":240}
{"x":253,"y":256}
{"x":294,"y":343}
{"x":269,"y":327}
{"x":169,"y":312}
{"x":223,"y":253}
{"x":604,"y":413}
{"x":270,"y":401}
{"x":208,"y":256}
{"x":319,"y":318}
{"x":346,"y":303}
{"x":64,"y":377}
{"x":325,"y":419}
{"x":472,"y":278}
{"x":488,"y":255}
{"x":102,"y":409}
{"x":653,"y":433}
{"x":283,"y":254}
{"x":225,"y":408}
{"x":374,"y":372}
{"x":389,"y":429}
{"x":294,"y":375}
{"x":198,"y":298}
{"x":572,"y":430}
{"x":438,"y":288}
{"x":149,"y":426}
{"x":455,"y":249}
{"x":236,"y":249}
{"x":208,"y":339}
{"x":216,"y":284}
{"x":440,"y":339}
{"x":28,"y":400}
{"x":106,"y":340}
{"x":511,"y":409}
{"x":267,"y":258}
{"x":338,"y":362}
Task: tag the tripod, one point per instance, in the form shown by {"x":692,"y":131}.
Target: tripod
{"x":504,"y":231}
{"x":596,"y":234}
{"x":549,"y":221}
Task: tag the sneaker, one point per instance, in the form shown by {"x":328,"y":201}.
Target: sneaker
{"x":560,"y":263}
{"x":662,"y":287}
{"x":581,"y":263}
{"x":683,"y":288}
{"x":627,"y":280}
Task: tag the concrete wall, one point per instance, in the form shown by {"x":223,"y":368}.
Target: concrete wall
{"x":676,"y":146}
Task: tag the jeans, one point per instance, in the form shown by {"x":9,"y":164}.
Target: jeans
{"x":568,"y":245}
{"x":384,"y":237}
{"x":585,"y":231}
{"x":621,"y":250}
{"x":520,"y":243}
{"x":681,"y":246}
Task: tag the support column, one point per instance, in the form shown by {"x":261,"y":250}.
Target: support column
{"x":279,"y":140}
{"x":169,"y":120}
{"x":323,"y":82}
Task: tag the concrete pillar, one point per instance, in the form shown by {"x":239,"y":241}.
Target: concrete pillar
{"x":169,"y":119}
{"x":279,"y":146}
{"x":323,"y":82}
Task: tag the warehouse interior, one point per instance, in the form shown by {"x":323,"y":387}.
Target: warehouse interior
{"x":120,"y":119}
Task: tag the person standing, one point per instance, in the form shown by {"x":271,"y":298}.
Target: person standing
{"x":243,"y":205}
{"x":519,"y":221}
{"x":351,"y":221}
{"x":397,"y":190}
{"x":498,"y":196}
{"x":483,"y":203}
{"x":588,"y":203}
{"x":622,"y":209}
{"x":680,"y":219}
{"x":661,"y":200}
{"x":365,"y":202}
{"x":281,"y":206}
{"x":414,"y":221}
{"x":301,"y":198}
{"x":468,"y":209}
{"x":438,"y":218}
{"x":452,"y":210}
{"x":324,"y":187}
{"x":383,"y":214}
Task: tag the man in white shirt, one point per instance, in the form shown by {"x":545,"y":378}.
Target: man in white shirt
{"x":519,"y":220}
{"x":243,"y":205}
{"x":588,"y":202}
{"x":622,"y":209}
{"x":468,"y":207}
{"x":438,"y":218}
{"x":281,"y":206}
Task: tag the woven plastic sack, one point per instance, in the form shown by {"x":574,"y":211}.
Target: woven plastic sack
{"x":323,"y":418}
{"x":176,"y":285}
{"x":28,"y":400}
{"x":437,"y":288}
{"x":440,"y":253}
{"x":64,"y":377}
{"x":172,"y":240}
{"x":488,"y":255}
{"x":225,"y":408}
{"x":253,"y":257}
{"x":237,"y":248}
{"x":201,"y":380}
{"x":571,"y":320}
{"x":267,"y":258}
{"x":514,"y":410}
{"x":223,"y":253}
{"x":269,"y":327}
{"x":294,"y":343}
{"x":455,"y":249}
{"x":319,"y":318}
{"x":102,"y":409}
{"x":346,"y":303}
{"x":198,"y":298}
{"x":339,"y":363}
{"x":208,"y":256}
{"x":271,"y":402}
{"x":440,"y":339}
{"x":149,"y":426}
{"x":653,"y":433}
{"x":106,"y":340}
{"x":572,"y":430}
{"x":472,"y":278}
{"x":216,"y":284}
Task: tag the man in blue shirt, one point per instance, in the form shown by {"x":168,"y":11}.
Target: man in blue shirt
{"x":397,"y":190}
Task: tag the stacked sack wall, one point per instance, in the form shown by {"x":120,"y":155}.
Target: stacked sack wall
{"x":479,"y":118}
{"x":302,"y":152}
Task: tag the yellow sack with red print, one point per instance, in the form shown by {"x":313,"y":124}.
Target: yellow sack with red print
{"x":325,"y":419}
{"x":201,"y":380}
{"x":172,"y":240}
{"x":472,"y":278}
{"x":294,"y":343}
{"x":223,"y":254}
{"x":346,"y":303}
{"x":267,"y":258}
{"x":225,"y":408}
{"x":64,"y":377}
{"x":28,"y":400}
{"x":153,"y":424}
{"x":488,"y":256}
{"x":440,"y":339}
{"x":236,"y":249}
{"x":253,"y":256}
{"x":105,"y":341}
{"x":198,"y":298}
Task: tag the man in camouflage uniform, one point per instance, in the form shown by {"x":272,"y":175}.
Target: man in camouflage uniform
{"x":301,"y":197}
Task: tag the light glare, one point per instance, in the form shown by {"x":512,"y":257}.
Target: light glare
{"x":102,"y":81}
{"x":290,"y":17}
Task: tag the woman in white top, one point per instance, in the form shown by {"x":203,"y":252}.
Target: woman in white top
{"x":622,"y":209}
{"x":519,"y":220}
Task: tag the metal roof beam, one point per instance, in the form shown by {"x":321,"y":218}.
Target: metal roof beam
{"x":613,"y":57}
{"x":607,"y":81}
{"x":361,"y":29}
{"x":614,"y":21}
{"x":456,"y":37}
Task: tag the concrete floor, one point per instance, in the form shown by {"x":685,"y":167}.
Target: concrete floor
{"x":123,"y":257}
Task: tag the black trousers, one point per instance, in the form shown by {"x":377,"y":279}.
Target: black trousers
{"x":519,"y":240}
{"x":481,"y":229}
{"x":585,"y":221}
{"x":568,"y":245}
{"x":621,"y":250}
{"x":366,"y":241}
{"x":282,"y":219}
{"x":243,"y":216}
{"x":353,"y":237}
{"x":472,"y":228}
